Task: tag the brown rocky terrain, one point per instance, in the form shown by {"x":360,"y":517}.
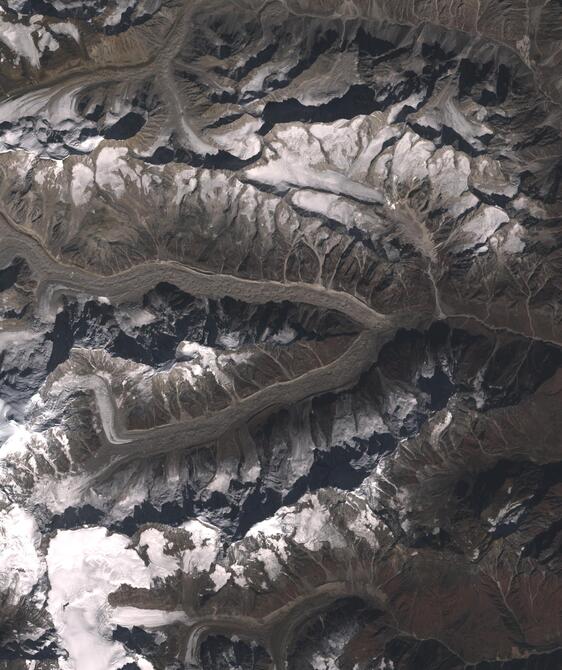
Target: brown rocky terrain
{"x":280,"y":335}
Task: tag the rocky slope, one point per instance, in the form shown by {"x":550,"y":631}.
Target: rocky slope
{"x":280,"y":335}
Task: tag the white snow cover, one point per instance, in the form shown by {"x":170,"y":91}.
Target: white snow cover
{"x":196,"y":360}
{"x":410,"y":157}
{"x":146,"y":618}
{"x":240,"y":139}
{"x":285,"y":335}
{"x":284,"y":173}
{"x":84,"y":567}
{"x":514,"y":242}
{"x":327,"y":204}
{"x":18,"y":436}
{"x":449,"y":171}
{"x":509,"y":513}
{"x":14,"y":436}
{"x":350,"y":423}
{"x":21,"y":565}
{"x":307,"y":524}
{"x":46,"y":41}
{"x":115,"y":173}
{"x":114,"y":16}
{"x":204,"y":357}
{"x":47,"y":172}
{"x":219,"y":576}
{"x":439,"y":426}
{"x":272,"y":553}
{"x":61,"y":114}
{"x":19,"y":39}
{"x":133,"y":317}
{"x":28,"y":41}
{"x":332,"y":646}
{"x":111,"y":169}
{"x":68,"y":29}
{"x":450,"y":115}
{"x":477,"y":230}
{"x":185,"y":182}
{"x":205,"y":537}
{"x":82,"y":181}
{"x":97,"y":384}
{"x":59,"y":494}
{"x":161,"y":565}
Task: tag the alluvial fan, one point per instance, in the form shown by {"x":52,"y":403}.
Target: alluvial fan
{"x":280,"y":335}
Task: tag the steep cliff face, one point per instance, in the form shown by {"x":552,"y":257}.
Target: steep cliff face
{"x":280,"y":335}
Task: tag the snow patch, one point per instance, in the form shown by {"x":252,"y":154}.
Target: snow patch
{"x":14,"y":436}
{"x":82,"y":182}
{"x":67,"y":29}
{"x":84,"y":567}
{"x":21,"y":565}
{"x":146,"y":618}
{"x":205,"y":539}
{"x":307,"y":524}
{"x":284,"y":173}
{"x":477,"y":230}
{"x":112,"y":170}
{"x":161,"y":565}
{"x":19,"y":39}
